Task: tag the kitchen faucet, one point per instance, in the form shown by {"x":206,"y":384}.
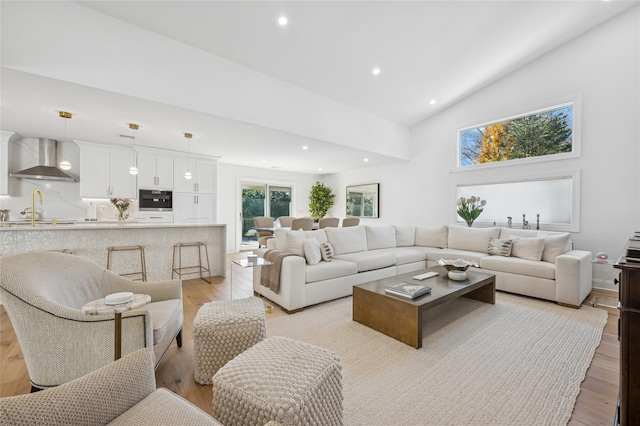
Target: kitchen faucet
{"x":33,"y":205}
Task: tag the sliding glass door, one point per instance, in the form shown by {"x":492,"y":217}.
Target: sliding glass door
{"x":255,"y":203}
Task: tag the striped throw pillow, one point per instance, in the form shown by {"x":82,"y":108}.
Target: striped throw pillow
{"x":499,"y":247}
{"x":327,"y":251}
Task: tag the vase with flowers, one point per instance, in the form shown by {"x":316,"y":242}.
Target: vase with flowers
{"x":470,"y":208}
{"x":122,"y":204}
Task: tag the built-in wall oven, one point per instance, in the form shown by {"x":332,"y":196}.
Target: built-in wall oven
{"x":155,"y":200}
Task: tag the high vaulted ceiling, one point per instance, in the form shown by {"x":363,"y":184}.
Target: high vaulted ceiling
{"x":254,"y":92}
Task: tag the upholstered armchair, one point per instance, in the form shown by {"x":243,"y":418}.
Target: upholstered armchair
{"x":263,"y":222}
{"x":43,"y":293}
{"x":328,"y":222}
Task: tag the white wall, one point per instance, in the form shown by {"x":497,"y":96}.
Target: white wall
{"x":230,"y":201}
{"x":602,"y":68}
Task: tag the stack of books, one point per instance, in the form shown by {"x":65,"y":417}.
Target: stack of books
{"x":408,"y":290}
{"x":633,"y":248}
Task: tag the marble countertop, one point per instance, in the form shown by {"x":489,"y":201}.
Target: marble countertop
{"x":66,"y":224}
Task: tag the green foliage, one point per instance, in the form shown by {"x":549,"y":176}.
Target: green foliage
{"x":321,"y":199}
{"x":470,"y":208}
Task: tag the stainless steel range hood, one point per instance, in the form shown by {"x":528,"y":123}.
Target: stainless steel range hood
{"x":47,"y":169}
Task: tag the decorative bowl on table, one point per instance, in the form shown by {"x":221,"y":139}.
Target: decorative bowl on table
{"x":457,"y":268}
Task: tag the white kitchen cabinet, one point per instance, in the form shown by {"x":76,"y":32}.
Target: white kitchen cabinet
{"x":204,"y":175}
{"x":104,"y":171}
{"x":194,"y":208}
{"x":155,"y":171}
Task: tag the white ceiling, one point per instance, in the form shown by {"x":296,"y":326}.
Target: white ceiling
{"x":309,"y":83}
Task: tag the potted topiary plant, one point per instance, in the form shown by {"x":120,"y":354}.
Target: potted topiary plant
{"x":321,"y":199}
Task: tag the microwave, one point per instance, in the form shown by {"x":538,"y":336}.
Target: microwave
{"x":155,"y":200}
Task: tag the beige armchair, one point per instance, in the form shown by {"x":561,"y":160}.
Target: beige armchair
{"x":328,"y":222}
{"x":120,"y":393}
{"x":43,"y":293}
{"x":263,"y":222}
{"x":350,"y":221}
{"x":304,"y":223}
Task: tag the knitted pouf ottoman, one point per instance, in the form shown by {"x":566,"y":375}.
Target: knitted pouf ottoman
{"x":282,"y":380}
{"x":224,"y":329}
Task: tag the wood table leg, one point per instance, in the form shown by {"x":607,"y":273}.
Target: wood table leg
{"x":117,"y":342}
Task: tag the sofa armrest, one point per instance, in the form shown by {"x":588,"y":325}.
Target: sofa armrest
{"x":95,"y":398}
{"x":573,"y":277}
{"x":292,"y":284}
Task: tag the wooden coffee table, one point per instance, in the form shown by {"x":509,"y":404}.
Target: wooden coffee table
{"x":401,"y":318}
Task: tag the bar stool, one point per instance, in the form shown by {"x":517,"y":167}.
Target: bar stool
{"x":196,"y":268}
{"x":143,"y":265}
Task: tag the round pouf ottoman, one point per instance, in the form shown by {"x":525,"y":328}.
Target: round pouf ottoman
{"x":224,"y":329}
{"x":282,"y":380}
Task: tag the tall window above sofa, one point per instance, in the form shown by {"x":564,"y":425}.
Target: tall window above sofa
{"x":540,"y":135}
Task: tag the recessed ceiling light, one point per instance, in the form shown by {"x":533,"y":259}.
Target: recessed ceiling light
{"x":319,"y":169}
{"x":365,"y":160}
{"x":283,"y":21}
{"x":376,"y":71}
{"x":305,"y":147}
{"x":432,"y":102}
{"x":264,"y":161}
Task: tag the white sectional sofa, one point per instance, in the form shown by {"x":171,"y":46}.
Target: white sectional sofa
{"x":539,"y":264}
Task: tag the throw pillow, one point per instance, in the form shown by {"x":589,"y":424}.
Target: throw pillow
{"x":527,"y":248}
{"x":295,"y":242}
{"x":554,"y":246}
{"x":499,"y":247}
{"x":327,"y":251}
{"x":312,"y":251}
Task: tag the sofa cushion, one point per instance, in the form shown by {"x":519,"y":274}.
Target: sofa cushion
{"x":369,"y":260}
{"x":451,"y":254}
{"x":163,"y":316}
{"x":326,"y":251}
{"x":281,"y":237}
{"x":554,"y":246}
{"x":515,"y":265}
{"x":432,"y":236}
{"x":471,"y":239}
{"x":405,"y":236}
{"x":527,"y":248}
{"x":405,"y":255}
{"x":295,"y":242}
{"x":328,"y":270}
{"x":498,"y":247}
{"x":505,"y":233}
{"x":312,"y":251}
{"x":347,"y":240}
{"x":380,"y":237}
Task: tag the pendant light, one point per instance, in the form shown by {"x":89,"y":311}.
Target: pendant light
{"x":65,"y":164}
{"x":134,"y":169}
{"x":187,"y":174}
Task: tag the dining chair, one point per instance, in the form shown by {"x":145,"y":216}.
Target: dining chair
{"x":328,"y":222}
{"x":304,"y":223}
{"x":284,"y":221}
{"x":264,"y":235}
{"x":350,"y":221}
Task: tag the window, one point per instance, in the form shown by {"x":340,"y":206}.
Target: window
{"x":536,"y":136}
{"x":555,"y":198}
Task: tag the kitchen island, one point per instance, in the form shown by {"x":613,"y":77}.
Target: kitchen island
{"x":91,"y":239}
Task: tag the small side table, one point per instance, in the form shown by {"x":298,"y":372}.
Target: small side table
{"x":99,"y":306}
{"x":244,"y":263}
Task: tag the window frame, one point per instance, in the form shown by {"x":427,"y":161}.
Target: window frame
{"x":576,"y":144}
{"x":574,"y":226}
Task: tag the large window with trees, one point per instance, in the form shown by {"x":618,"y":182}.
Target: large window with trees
{"x":538,"y":135}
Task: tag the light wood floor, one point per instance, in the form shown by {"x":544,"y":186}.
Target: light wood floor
{"x":595,"y":405}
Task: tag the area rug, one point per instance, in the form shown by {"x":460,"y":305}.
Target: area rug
{"x":518,"y":362}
